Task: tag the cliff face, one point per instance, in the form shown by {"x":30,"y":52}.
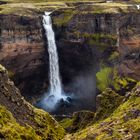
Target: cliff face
{"x":130,"y":46}
{"x":91,"y":40}
{"x":23,"y":53}
{"x":101,"y":34}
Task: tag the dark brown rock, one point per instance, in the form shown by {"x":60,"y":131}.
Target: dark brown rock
{"x":23,"y":53}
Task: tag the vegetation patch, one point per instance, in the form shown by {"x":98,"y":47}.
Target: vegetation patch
{"x":63,"y":18}
{"x":107,"y":102}
{"x":46,"y":126}
{"x":2,"y":68}
{"x":104,"y":79}
{"x":10,"y":129}
{"x":109,"y":77}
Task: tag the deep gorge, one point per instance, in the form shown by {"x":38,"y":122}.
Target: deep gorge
{"x":85,"y":43}
{"x":70,"y":73}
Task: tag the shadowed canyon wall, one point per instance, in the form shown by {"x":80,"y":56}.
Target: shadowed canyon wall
{"x":89,"y":42}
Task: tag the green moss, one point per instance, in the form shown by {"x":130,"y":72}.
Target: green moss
{"x":78,"y":121}
{"x":114,"y":56}
{"x":47,"y":127}
{"x":66,"y":123}
{"x":98,"y":37}
{"x":104,"y":78}
{"x":107,"y":102}
{"x":100,"y":40}
{"x":121,"y":84}
{"x":109,"y":77}
{"x":10,"y":129}
{"x":82,"y":119}
{"x":2,"y":68}
{"x":64,"y":18}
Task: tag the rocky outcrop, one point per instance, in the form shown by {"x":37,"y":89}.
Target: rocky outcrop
{"x":39,"y":122}
{"x":130,"y":47}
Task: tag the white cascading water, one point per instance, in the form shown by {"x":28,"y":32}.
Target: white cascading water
{"x":55,"y":90}
{"x":55,"y":83}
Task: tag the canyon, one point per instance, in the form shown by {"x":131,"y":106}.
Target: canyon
{"x":85,"y":41}
{"x":98,"y":48}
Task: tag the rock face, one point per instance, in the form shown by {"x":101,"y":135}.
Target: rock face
{"x":89,"y":41}
{"x":130,"y":46}
{"x":23,"y":53}
{"x":87,"y":35}
{"x":40,"y":123}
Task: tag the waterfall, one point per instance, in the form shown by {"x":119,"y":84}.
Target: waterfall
{"x":118,"y":33}
{"x":55,"y":93}
{"x":138,"y":7}
{"x":55,"y":83}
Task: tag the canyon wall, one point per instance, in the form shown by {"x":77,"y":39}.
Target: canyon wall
{"x":23,"y":53}
{"x":87,"y":41}
{"x":101,"y":35}
{"x":91,"y":42}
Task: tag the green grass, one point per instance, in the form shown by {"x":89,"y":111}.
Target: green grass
{"x":38,"y":1}
{"x":28,"y":7}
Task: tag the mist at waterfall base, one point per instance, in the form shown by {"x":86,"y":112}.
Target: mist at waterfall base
{"x":79,"y":95}
{"x":51,"y":103}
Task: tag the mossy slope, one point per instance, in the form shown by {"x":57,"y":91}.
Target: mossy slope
{"x":78,"y":121}
{"x":10,"y":129}
{"x":122,"y":124}
{"x":19,"y":119}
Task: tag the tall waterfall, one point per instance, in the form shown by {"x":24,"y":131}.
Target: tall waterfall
{"x":55,"y":91}
{"x":55,"y":83}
